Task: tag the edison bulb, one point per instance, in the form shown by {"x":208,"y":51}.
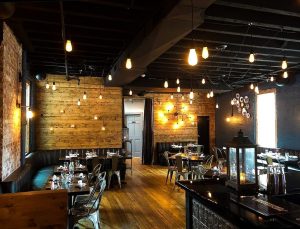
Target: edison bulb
{"x":47,"y":85}
{"x":208,"y":95}
{"x":272,"y":78}
{"x":130,"y":92}
{"x":69,"y":47}
{"x":182,"y":97}
{"x":109,"y":77}
{"x":284,"y":64}
{"x":128,"y":63}
{"x":166,"y":85}
{"x":205,"y":53}
{"x":191,"y":95}
{"x":78,"y":102}
{"x":228,"y":119}
{"x":177,"y":81}
{"x":95,"y":117}
{"x":193,"y":59}
{"x":100,"y":96}
{"x":178,"y":89}
{"x":256,"y":90}
{"x":232,"y":102}
{"x":191,"y":102}
{"x":172,"y":96}
{"x":252,"y":86}
{"x":251,"y":57}
{"x":211,"y":93}
{"x":84,"y":96}
{"x":103,"y":128}
{"x":217,"y":106}
{"x":203,"y":81}
{"x":285,"y":75}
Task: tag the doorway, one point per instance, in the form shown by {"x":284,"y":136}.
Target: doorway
{"x":134,"y":123}
{"x":203,"y":133}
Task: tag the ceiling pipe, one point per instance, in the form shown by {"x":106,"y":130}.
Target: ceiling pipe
{"x":153,"y":41}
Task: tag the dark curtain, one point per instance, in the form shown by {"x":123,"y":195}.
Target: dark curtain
{"x":148,"y":132}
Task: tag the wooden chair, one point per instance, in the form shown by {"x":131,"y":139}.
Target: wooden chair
{"x":171,"y":168}
{"x":114,"y":170}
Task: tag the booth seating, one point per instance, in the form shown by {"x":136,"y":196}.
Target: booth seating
{"x":161,"y":147}
{"x":38,"y":166}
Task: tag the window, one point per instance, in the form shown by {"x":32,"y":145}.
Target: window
{"x":27,"y":127}
{"x":266,"y":129}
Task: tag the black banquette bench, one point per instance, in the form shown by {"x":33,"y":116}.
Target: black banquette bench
{"x":161,"y":147}
{"x":37,"y":168}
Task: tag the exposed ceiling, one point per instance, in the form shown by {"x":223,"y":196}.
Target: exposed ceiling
{"x":102,"y":30}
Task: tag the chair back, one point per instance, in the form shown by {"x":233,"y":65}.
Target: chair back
{"x":200,"y":149}
{"x":208,"y":162}
{"x":114,"y":162}
{"x":215,"y":152}
{"x":95,"y":206}
{"x":179,"y":163}
{"x":269,"y":160}
{"x":166,"y":156}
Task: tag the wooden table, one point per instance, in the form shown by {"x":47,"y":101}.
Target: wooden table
{"x":58,"y":169}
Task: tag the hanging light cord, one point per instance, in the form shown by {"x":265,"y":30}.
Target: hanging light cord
{"x":63,"y":34}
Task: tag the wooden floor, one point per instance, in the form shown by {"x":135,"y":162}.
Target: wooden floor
{"x":144,"y":201}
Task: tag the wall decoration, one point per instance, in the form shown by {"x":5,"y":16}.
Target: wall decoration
{"x":242,"y":104}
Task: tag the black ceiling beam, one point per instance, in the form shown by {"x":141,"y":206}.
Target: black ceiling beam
{"x":156,"y":38}
{"x":254,"y":23}
{"x":257,"y":8}
{"x":217,"y":31}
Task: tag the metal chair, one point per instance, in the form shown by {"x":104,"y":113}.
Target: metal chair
{"x":180,"y":171}
{"x":114,"y":170}
{"x":200,"y":149}
{"x":171,"y":168}
{"x":89,"y":211}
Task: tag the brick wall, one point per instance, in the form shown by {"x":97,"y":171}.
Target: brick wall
{"x":165,"y":131}
{"x":10,"y":138}
{"x":87,"y":132}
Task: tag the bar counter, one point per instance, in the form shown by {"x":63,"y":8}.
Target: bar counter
{"x":211,"y":204}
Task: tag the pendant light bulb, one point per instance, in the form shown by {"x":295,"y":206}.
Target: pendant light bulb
{"x":84,"y":96}
{"x":256,"y":90}
{"x":217,"y":106}
{"x":47,"y":85}
{"x":208,"y":95}
{"x":252,"y":86}
{"x":232,"y":102}
{"x":192,"y":59}
{"x":95,"y":117}
{"x":272,"y":78}
{"x":285,"y":75}
{"x":251,"y":57}
{"x":130,"y":92}
{"x":284,"y":64}
{"x":191,"y":101}
{"x":166,"y":85}
{"x":182,"y":97}
{"x":78,"y":102}
{"x":128,"y":63}
{"x":178,"y":89}
{"x":211,"y":94}
{"x":205,"y":53}
{"x":203,"y":81}
{"x":100,"y":96}
{"x":172,"y":96}
{"x":177,"y":81}
{"x":53,"y":86}
{"x":69,"y":47}
{"x":109,"y":77}
{"x":191,"y":94}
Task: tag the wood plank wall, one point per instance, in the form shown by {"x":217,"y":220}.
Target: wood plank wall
{"x":165,"y":131}
{"x":54,"y":129}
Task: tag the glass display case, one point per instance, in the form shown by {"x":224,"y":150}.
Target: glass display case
{"x":241,"y":164}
